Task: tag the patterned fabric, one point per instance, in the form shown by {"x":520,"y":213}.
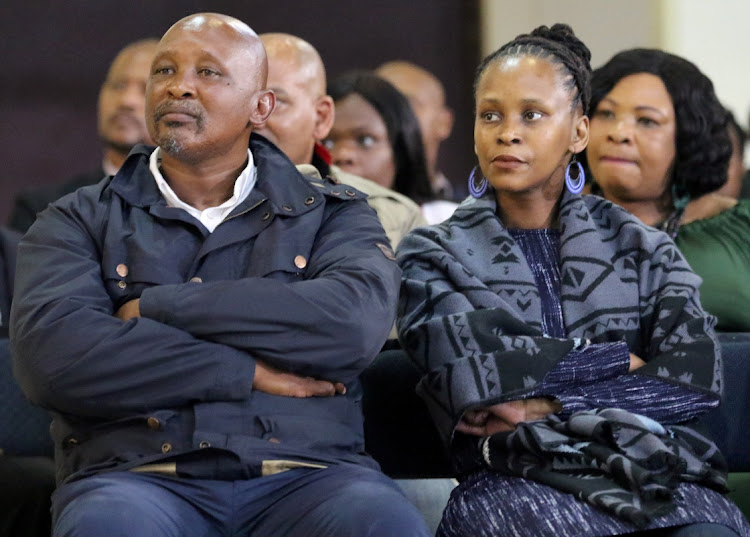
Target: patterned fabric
{"x":489,"y":504}
{"x":623,"y":463}
{"x":593,"y":376}
{"x":470,"y":311}
{"x":541,"y":249}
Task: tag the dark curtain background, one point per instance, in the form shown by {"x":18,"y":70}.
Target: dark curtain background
{"x":55,"y":55}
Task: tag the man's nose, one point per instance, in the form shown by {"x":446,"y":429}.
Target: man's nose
{"x":181,"y":85}
{"x":133,"y":96}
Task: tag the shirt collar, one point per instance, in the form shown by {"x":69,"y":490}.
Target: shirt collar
{"x":212,"y":216}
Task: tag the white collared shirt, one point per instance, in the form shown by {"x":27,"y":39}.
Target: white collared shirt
{"x":213,"y":216}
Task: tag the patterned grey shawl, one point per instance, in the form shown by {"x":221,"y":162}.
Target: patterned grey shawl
{"x":470,"y":312}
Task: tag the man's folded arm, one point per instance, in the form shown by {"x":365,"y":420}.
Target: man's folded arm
{"x":328,"y":325}
{"x":71,"y":354}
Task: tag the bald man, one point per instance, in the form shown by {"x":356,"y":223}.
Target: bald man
{"x":197,"y":323}
{"x":427,"y":98}
{"x":121,"y":126}
{"x":304,"y":116}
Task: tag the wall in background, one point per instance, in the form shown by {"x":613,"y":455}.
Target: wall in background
{"x":714,"y":36}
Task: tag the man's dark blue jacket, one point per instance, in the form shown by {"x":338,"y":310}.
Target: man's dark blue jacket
{"x":299,"y":276}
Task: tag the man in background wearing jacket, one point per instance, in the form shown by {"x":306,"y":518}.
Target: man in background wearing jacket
{"x":197,"y":324}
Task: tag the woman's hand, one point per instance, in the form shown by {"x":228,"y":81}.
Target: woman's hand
{"x":504,"y":417}
{"x":635,"y":362}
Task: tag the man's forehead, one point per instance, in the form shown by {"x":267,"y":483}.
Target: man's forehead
{"x":133,"y":63}
{"x":224,"y":32}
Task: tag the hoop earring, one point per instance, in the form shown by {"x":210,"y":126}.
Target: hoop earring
{"x":477,"y":188}
{"x":575,"y":185}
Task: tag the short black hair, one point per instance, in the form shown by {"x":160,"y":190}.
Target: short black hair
{"x":702,"y":145}
{"x":404,"y":134}
{"x":559,"y":45}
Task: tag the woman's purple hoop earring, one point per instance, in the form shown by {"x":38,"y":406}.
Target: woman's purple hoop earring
{"x":575,"y":185}
{"x":477,"y":189}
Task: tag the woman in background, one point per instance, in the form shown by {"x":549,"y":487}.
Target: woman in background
{"x":660,"y":148}
{"x":376,"y":135}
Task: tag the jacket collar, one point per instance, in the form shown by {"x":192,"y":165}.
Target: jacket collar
{"x":287,"y":190}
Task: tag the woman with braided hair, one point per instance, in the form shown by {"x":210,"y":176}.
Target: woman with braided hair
{"x":565,"y":353}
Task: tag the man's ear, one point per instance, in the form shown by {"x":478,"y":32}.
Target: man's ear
{"x":325,"y":113}
{"x":264,"y":102}
{"x":444,"y":123}
{"x":580,"y":135}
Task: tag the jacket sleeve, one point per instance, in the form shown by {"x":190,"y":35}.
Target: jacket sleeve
{"x":329,"y":325}
{"x":73,"y":356}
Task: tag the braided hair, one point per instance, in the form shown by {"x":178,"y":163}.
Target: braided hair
{"x":558,"y":45}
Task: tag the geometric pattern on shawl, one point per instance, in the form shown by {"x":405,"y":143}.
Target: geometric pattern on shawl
{"x":623,"y":463}
{"x":470,"y":312}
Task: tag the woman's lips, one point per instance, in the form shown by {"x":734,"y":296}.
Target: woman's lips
{"x":507,"y":162}
{"x":617,"y":160}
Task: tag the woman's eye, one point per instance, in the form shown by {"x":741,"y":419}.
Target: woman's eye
{"x":162,"y":70}
{"x":604,"y":114}
{"x":647,"y":122}
{"x":490,"y":116}
{"x":532,"y":116}
{"x":366,"y":141}
{"x":207,"y":72}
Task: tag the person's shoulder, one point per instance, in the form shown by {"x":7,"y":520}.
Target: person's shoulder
{"x":610,"y":216}
{"x":330,"y":188}
{"x":707,"y":207}
{"x":625,"y":232}
{"x":371,"y":188}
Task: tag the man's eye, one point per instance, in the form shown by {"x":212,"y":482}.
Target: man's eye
{"x":162,"y":70}
{"x":207,"y":72}
{"x":490,"y":116}
{"x":117,"y":85}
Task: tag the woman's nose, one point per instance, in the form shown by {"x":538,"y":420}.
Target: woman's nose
{"x":509,"y":133}
{"x":343,"y":154}
{"x":620,"y":132}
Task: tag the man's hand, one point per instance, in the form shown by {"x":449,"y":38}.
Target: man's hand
{"x":635,"y":362}
{"x":270,"y":380}
{"x":130,"y":310}
{"x":504,"y":417}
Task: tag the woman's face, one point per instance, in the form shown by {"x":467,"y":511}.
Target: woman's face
{"x":632,"y":145}
{"x":526,"y":126}
{"x":359,"y":142}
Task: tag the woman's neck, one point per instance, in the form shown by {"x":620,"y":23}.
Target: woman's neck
{"x":527,"y":210}
{"x":650,"y":213}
